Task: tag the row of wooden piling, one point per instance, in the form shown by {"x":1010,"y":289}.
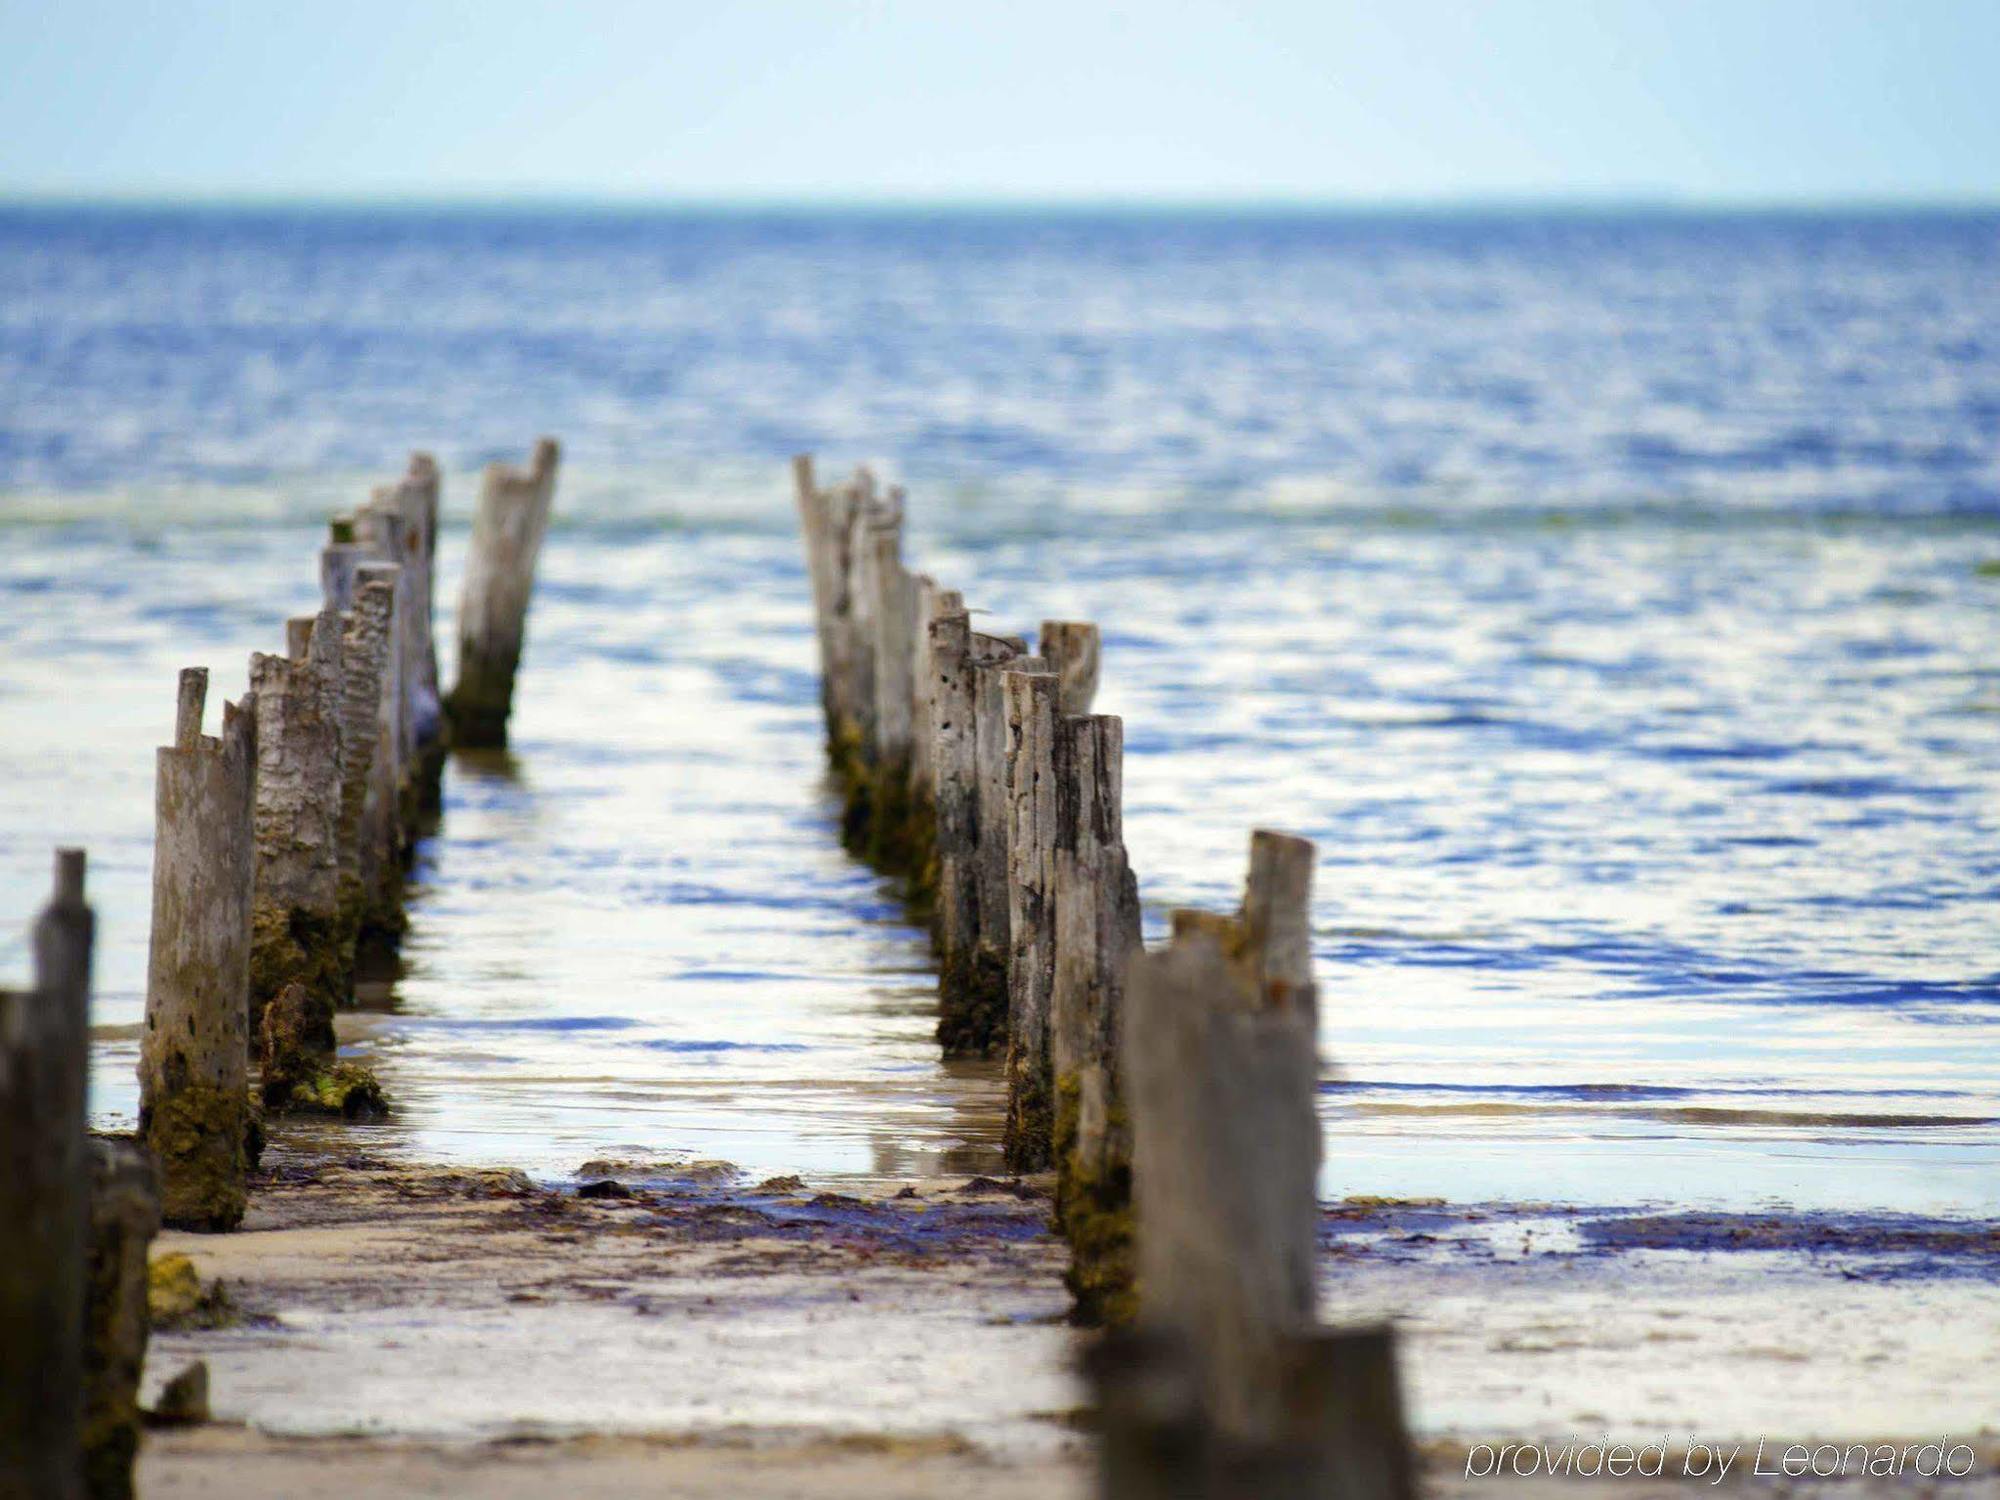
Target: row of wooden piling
{"x":1171,"y":1092}
{"x":279,"y":857}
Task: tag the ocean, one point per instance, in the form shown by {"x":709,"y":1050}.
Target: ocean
{"x":1613,"y":595}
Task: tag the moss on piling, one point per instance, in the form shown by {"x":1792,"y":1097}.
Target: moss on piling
{"x":972,"y":1006}
{"x":177,"y":1299}
{"x":1030,"y":1120}
{"x":887,"y":845}
{"x":1094,"y":1214}
{"x":346,"y":1089}
{"x":289,"y":946}
{"x":198,"y":1134}
{"x":299,"y":1071}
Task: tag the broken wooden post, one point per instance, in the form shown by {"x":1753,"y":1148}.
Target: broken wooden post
{"x":1277,"y":920}
{"x":1072,"y":649}
{"x":823,"y":524}
{"x":507,"y":534}
{"x":933,"y":604}
{"x":854,"y":752}
{"x":295,"y":927}
{"x":978,"y":1017}
{"x":383,"y":839}
{"x":124,"y":1216}
{"x":44,"y":1201}
{"x":955,"y":909}
{"x":1221,"y":1068}
{"x":398,"y":524}
{"x":1029,"y":698}
{"x":364,"y":642}
{"x":893,"y":621}
{"x":194,"y":1053}
{"x":1097,"y":933}
{"x":1221,"y":1074}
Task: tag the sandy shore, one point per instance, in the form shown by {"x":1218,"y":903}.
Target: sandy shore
{"x":407,"y":1331}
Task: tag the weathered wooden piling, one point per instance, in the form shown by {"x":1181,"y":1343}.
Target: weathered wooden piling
{"x":398,"y":524}
{"x":954,"y":755}
{"x":1029,"y":703}
{"x":933,"y":604}
{"x":364,"y":843}
{"x":1222,"y":1072}
{"x":974,"y":1023}
{"x":1277,"y":921}
{"x":826,"y":520}
{"x":124,"y":1216}
{"x":193,"y":1056}
{"x":507,"y":532}
{"x":296,"y":931}
{"x":44,"y":1202}
{"x":1072,"y":649}
{"x":892,"y":618}
{"x":1097,"y":934}
{"x":1221,"y":1067}
{"x":384,"y":842}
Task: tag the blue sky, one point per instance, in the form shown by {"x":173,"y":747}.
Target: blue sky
{"x":1738,"y":100}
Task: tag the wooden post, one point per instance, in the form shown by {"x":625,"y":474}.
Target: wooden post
{"x":44,"y":1201}
{"x":1030,"y":704}
{"x":1072,"y":649}
{"x":1096,"y":937}
{"x":364,"y":636}
{"x":507,"y":534}
{"x":1220,"y":1078}
{"x":893,"y":621}
{"x":124,"y":1216}
{"x":295,"y":921}
{"x":194,"y":1054}
{"x":842,"y":668}
{"x":980,"y":1014}
{"x":383,"y":842}
{"x":399,"y":525}
{"x":825,"y":542}
{"x":933,"y":604}
{"x":1277,"y":920}
{"x":956,"y":904}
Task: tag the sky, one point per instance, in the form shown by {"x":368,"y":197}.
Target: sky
{"x":1732,"y":100}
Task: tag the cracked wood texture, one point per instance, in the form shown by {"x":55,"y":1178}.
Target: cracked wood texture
{"x":1029,"y":704}
{"x":194,"y":1053}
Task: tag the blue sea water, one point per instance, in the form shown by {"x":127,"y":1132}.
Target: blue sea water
{"x":1614,"y":596}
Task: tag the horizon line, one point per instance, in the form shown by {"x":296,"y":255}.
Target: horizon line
{"x":1657,"y":200}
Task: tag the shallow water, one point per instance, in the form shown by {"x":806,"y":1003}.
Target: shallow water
{"x":1612,"y":599}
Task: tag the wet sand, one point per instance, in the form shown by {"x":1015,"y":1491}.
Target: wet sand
{"x":435,"y":1331}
